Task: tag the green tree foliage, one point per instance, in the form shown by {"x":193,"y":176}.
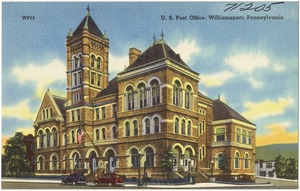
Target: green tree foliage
{"x":167,"y":161}
{"x":223,"y":165}
{"x":286,"y":168}
{"x":14,"y":159}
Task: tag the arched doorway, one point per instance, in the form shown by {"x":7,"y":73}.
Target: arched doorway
{"x":93,"y":162}
{"x":112,"y":161}
{"x":176,"y":161}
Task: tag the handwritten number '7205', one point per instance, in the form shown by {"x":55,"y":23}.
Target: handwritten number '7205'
{"x":250,"y":6}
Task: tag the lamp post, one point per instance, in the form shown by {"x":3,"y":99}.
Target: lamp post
{"x":139,"y":166}
{"x":212,"y":170}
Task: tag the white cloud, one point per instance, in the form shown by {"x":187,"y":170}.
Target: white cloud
{"x":20,"y":110}
{"x":256,"y":110}
{"x":255,"y":83}
{"x":247,"y":62}
{"x":117,"y":63}
{"x":41,"y":74}
{"x":216,"y":79}
{"x":280,"y":125}
{"x":186,"y":48}
{"x":278,"y":68}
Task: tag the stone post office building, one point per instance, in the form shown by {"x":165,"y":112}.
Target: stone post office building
{"x":152,"y":104}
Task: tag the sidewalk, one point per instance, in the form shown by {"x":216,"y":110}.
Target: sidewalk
{"x":156,"y":186}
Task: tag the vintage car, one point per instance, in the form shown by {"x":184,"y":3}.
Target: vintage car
{"x":109,"y":180}
{"x":76,"y":178}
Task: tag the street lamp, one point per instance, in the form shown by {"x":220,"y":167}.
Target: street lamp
{"x":139,"y":166}
{"x":212,"y":170}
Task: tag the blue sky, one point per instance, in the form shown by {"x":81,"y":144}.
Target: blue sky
{"x":252,"y":64}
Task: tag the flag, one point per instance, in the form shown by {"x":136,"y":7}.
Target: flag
{"x":79,"y":135}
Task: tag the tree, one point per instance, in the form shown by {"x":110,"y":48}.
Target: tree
{"x":223,"y":163}
{"x":291,"y":168}
{"x":14,"y":157}
{"x":167,"y":161}
{"x":280,"y":166}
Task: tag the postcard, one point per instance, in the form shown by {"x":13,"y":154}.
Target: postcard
{"x":150,"y":94}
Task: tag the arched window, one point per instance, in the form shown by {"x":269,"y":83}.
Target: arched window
{"x":188,"y":97}
{"x":65,"y":139}
{"x":142,"y":95}
{"x":103,"y":134}
{"x":41,"y":138}
{"x":72,"y":136}
{"x":54,"y":134}
{"x":130,"y":98}
{"x":237,"y":160}
{"x":97,"y":134}
{"x":48,"y":137}
{"x":147,"y":124}
{"x":93,"y":58}
{"x":40,"y":163}
{"x":149,"y":157}
{"x":183,"y":127}
{"x":54,"y":162}
{"x":98,"y":63}
{"x":93,"y":161}
{"x":177,"y":94}
{"x":220,"y":159}
{"x":189,"y":128}
{"x":246,"y":161}
{"x":135,"y":128}
{"x":76,"y":161}
{"x":127,"y":129}
{"x":200,"y":128}
{"x":176,"y":125}
{"x":156,"y":125}
{"x":155,"y":92}
{"x":134,"y":158}
{"x":114,"y":132}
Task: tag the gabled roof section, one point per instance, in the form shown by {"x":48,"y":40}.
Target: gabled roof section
{"x":60,"y":102}
{"x":89,"y":24}
{"x":112,"y":88}
{"x":158,"y":51}
{"x":222,"y":111}
{"x":56,"y":102}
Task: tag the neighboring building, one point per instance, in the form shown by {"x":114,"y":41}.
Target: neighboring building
{"x":30,"y":147}
{"x":154,"y":103}
{"x":265,"y":168}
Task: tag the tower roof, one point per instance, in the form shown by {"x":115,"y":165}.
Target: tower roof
{"x":89,"y":24}
{"x":158,"y":51}
{"x":222,"y":111}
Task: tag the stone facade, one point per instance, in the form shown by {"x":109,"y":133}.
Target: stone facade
{"x":130,"y":121}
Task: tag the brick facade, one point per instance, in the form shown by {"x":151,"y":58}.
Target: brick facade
{"x":152,"y":104}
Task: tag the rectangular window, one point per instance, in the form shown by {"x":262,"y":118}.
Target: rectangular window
{"x":97,"y":116}
{"x":92,"y":78}
{"x":261,"y":165}
{"x":73,"y":115}
{"x":220,"y":134}
{"x":103,"y":112}
{"x":75,"y":79}
{"x":238,"y":135}
{"x":114,"y":110}
{"x":80,"y":77}
{"x":78,"y":114}
{"x":269,"y":165}
{"x":244,"y":136}
{"x":249,"y":138}
{"x":98,"y":79}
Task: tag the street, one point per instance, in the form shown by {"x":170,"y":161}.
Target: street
{"x":260,"y":184}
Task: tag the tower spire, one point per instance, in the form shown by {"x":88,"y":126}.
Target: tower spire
{"x":88,"y":10}
{"x":162,"y":35}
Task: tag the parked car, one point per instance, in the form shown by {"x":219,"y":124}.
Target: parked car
{"x":77,"y":178}
{"x":110,"y":180}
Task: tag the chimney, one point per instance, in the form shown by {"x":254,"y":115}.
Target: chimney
{"x":133,"y":55}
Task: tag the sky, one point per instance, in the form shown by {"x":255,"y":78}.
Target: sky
{"x":251,"y":64}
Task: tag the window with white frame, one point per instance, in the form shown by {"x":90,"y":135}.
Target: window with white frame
{"x":220,"y":134}
{"x":177,"y":93}
{"x":155,"y":92}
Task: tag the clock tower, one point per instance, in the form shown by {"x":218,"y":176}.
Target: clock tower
{"x":87,"y":62}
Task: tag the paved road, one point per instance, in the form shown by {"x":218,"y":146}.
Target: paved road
{"x":276,"y":184}
{"x":279,"y":184}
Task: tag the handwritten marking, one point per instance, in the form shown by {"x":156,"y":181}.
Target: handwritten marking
{"x":250,"y":6}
